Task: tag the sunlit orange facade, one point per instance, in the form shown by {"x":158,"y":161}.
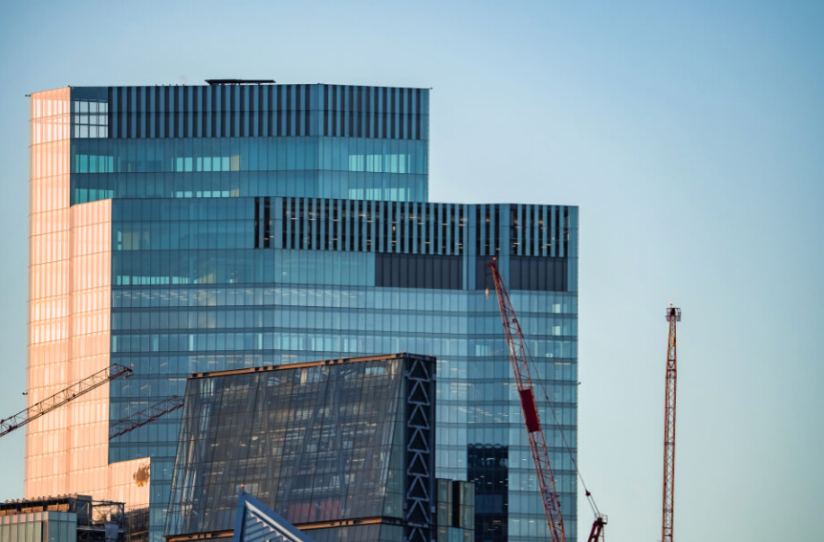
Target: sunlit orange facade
{"x":69,"y":323}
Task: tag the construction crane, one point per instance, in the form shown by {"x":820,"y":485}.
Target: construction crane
{"x":147,"y":415}
{"x":519,"y":360}
{"x":63,"y":397}
{"x":673,"y":315}
{"x":597,"y":528}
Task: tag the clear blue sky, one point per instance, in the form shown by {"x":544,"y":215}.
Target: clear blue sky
{"x":691,"y":134}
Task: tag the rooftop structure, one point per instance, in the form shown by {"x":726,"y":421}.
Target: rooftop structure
{"x":64,"y":518}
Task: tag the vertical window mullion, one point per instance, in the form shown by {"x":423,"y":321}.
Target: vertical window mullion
{"x":243,"y":110}
{"x":370,"y":112}
{"x":208,"y":130}
{"x":114,"y":125}
{"x":307,"y":108}
{"x":152,"y":112}
{"x":482,"y":229}
{"x":180,"y":105}
{"x":141,"y":106}
{"x":561,"y":231}
{"x":526,"y":228}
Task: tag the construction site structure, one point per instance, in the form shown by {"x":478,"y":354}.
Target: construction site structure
{"x":63,"y":397}
{"x":597,"y":528}
{"x":673,"y":315}
{"x":519,"y":360}
{"x":147,"y":415}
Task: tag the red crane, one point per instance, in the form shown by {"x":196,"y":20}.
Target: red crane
{"x":519,"y":359}
{"x":147,"y":415}
{"x":597,"y":528}
{"x":63,"y":397}
{"x":673,"y":315}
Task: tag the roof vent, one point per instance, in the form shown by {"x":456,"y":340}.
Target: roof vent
{"x":212,"y":82}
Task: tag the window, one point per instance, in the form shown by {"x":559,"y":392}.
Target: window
{"x":90,"y":119}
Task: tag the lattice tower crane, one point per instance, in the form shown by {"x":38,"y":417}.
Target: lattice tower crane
{"x":673,"y":315}
{"x":63,"y":397}
{"x":520,"y":359}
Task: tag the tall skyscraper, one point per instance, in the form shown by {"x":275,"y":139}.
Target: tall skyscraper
{"x":181,"y":229}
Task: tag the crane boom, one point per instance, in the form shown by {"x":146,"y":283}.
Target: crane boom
{"x":147,"y":415}
{"x":63,"y":397}
{"x":519,"y":360}
{"x":673,"y":315}
{"x":597,"y":529}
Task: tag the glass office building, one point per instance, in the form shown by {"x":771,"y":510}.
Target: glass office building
{"x":342,"y":449}
{"x":194,"y":229}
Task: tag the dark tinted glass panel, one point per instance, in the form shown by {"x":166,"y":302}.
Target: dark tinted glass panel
{"x":487,"y":467}
{"x":483,"y":275}
{"x":418,"y":271}
{"x":533,"y":273}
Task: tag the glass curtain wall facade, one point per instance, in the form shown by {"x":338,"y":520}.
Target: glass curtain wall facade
{"x":250,"y":140}
{"x":342,"y":449}
{"x":456,"y":511}
{"x":69,"y":322}
{"x":39,"y":527}
{"x":488,"y":470}
{"x":260,"y":262}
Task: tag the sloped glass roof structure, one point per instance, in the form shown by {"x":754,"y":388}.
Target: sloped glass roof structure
{"x":342,"y":449}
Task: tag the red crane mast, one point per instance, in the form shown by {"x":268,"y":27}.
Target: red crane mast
{"x":519,"y":359}
{"x":673,"y":315}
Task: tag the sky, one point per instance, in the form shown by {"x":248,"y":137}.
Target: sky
{"x":690,"y":134}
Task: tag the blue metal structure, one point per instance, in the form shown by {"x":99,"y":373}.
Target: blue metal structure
{"x":255,"y":522}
